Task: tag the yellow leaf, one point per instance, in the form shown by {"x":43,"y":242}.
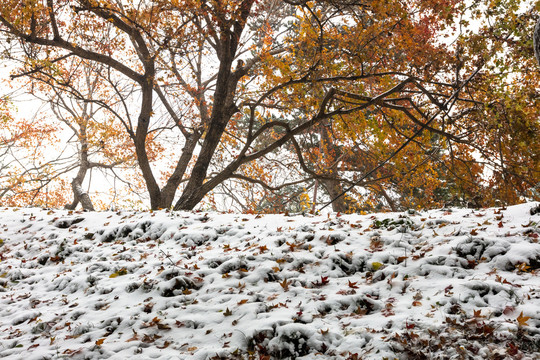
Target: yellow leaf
{"x":120,"y":272}
{"x":523,"y":267}
{"x":376,"y":265}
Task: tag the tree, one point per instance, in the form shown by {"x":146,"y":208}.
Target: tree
{"x":74,"y":94}
{"x":240,"y":84}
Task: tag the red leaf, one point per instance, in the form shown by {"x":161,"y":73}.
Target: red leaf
{"x":508,"y":310}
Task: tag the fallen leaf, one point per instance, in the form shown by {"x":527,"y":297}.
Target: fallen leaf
{"x":285,"y":285}
{"x":508,"y":310}
{"x":165,"y":345}
{"x":134,"y":338}
{"x":477,"y":314}
{"x":522,"y":320}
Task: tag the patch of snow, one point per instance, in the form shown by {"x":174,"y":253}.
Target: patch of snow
{"x":167,"y":285}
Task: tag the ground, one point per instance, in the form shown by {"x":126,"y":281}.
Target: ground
{"x":441,"y":284}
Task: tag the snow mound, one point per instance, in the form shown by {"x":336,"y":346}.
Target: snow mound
{"x":180,"y":285}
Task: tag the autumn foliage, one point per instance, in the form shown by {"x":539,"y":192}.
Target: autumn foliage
{"x":268,"y":106}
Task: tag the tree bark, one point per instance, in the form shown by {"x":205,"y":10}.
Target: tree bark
{"x":333,"y":187}
{"x":79,"y":195}
{"x":536,"y":41}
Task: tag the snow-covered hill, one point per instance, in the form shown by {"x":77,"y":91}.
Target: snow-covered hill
{"x":442,"y":284}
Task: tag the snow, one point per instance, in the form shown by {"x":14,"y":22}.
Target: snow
{"x":446,"y":283}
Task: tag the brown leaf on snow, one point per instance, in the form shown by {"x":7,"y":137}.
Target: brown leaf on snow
{"x":134,"y":338}
{"x":150,"y":339}
{"x":165,"y":345}
{"x":285,"y":285}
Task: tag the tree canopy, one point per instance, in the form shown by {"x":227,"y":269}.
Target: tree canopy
{"x":271,"y":103}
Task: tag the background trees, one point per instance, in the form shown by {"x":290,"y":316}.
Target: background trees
{"x":278,"y":98}
{"x":26,"y":173}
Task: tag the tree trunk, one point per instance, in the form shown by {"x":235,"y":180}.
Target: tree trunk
{"x":333,"y":187}
{"x":79,"y":195}
{"x":536,"y":41}
{"x":139,"y":140}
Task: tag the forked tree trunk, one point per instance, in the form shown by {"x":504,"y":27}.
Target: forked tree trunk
{"x":79,"y":195}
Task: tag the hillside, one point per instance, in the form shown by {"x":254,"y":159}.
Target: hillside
{"x":449,"y":283}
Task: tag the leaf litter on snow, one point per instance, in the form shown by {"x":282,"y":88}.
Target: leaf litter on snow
{"x":438,"y":284}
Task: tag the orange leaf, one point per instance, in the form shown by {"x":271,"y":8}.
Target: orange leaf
{"x":100,"y":341}
{"x":522,"y":320}
{"x":477,"y":313}
{"x":134,"y":338}
{"x":285,"y":285}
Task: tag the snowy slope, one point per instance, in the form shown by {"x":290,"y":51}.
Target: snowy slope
{"x":443,"y":284}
